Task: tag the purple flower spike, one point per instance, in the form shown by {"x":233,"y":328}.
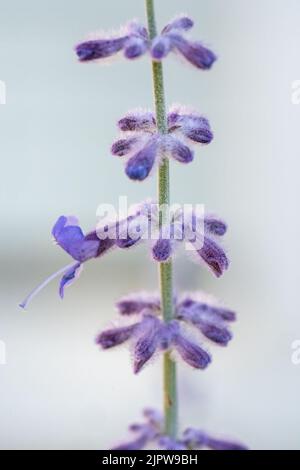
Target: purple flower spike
{"x":140,"y":165}
{"x":147,"y":342}
{"x":138,"y":303}
{"x":191,"y":352}
{"x":115,"y":336}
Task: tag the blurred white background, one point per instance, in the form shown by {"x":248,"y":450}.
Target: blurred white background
{"x":57,"y":390}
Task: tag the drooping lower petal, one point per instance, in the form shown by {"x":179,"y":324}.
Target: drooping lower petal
{"x":69,"y":277}
{"x":179,"y":151}
{"x":147,"y":341}
{"x":135,"y":47}
{"x":161,"y":46}
{"x":140,"y":165}
{"x":214,"y":256}
{"x":217,"y":333}
{"x":194,"y":52}
{"x":191,"y":353}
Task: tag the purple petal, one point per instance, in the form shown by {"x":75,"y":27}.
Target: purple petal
{"x":191,"y":352}
{"x":179,"y":151}
{"x":137,"y":444}
{"x":154,"y":417}
{"x":137,"y":303}
{"x":168,"y":443}
{"x":161,"y":46}
{"x":72,"y":240}
{"x":135,"y":47}
{"x":137,"y":121}
{"x":216,"y":444}
{"x":215,"y":226}
{"x":123,"y":147}
{"x":216,"y":333}
{"x":214,"y":256}
{"x":115,"y":336}
{"x":99,"y":48}
{"x":194,"y":52}
{"x":147,"y":341}
{"x":193,"y":438}
{"x":68,"y":278}
{"x":139,"y":166}
{"x":182,"y":22}
{"x":193,"y":309}
{"x":162,"y":250}
{"x":197,"y":128}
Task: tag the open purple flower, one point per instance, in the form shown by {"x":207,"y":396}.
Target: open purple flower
{"x":151,"y":334}
{"x":151,"y":432}
{"x":142,"y":146}
{"x":70,"y":237}
{"x":133,"y":41}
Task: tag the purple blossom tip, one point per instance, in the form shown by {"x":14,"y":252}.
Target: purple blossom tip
{"x":161,"y":47}
{"x":123,"y":147}
{"x":115,"y":336}
{"x":214,"y":256}
{"x":138,"y":303}
{"x":215,"y":226}
{"x":191,"y":353}
{"x":140,"y":165}
{"x":99,"y":48}
{"x":147,"y":342}
{"x":181,"y":22}
{"x":194,"y":52}
{"x":195,"y":438}
{"x":162,"y":250}
{"x":137,"y":121}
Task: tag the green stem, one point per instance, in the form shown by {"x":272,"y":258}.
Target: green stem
{"x":165,"y":269}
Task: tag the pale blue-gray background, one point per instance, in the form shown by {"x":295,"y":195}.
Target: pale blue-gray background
{"x":57,"y":389}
